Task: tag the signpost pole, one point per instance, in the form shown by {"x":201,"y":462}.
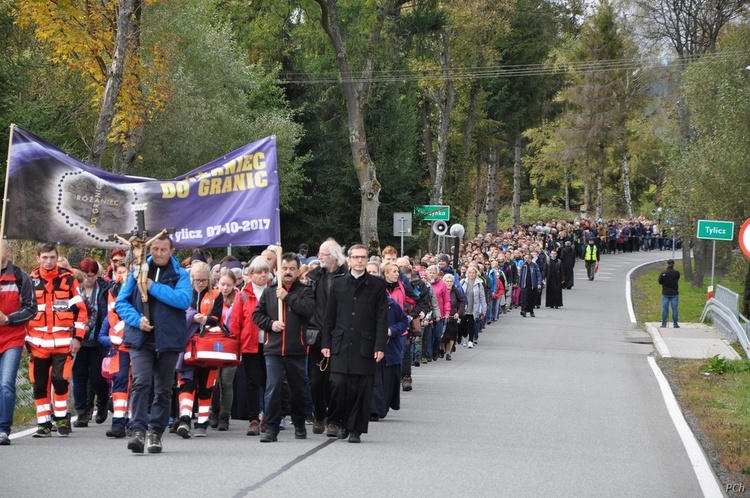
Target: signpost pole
{"x":402,"y":235}
{"x":419,"y":242}
{"x":713,"y":263}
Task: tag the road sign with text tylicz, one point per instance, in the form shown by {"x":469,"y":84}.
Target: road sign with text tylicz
{"x":433,"y":213}
{"x":715,"y":230}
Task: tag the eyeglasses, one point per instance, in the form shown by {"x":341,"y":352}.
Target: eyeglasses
{"x":90,"y":275}
{"x":358,"y":257}
{"x":323,"y":255}
{"x":117,"y":260}
{"x":200,"y":280}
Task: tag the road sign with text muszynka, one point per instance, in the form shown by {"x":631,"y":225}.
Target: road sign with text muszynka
{"x":433,"y":213}
{"x":715,"y":230}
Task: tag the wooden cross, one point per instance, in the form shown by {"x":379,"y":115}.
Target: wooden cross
{"x":139,"y":245}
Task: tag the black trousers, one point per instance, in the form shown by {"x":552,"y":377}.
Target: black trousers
{"x":320,"y":388}
{"x":44,"y":368}
{"x":351,"y":401}
{"x":528,"y":299}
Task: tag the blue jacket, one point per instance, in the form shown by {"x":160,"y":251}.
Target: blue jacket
{"x":169,"y":298}
{"x":399,"y":324}
{"x":492,"y":276}
{"x":97,"y":319}
{"x":536,"y":275}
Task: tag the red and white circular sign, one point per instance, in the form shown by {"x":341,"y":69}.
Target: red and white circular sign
{"x":745,"y":238}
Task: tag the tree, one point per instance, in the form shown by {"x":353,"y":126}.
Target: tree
{"x":713,"y":167}
{"x":692,"y":29}
{"x":594,"y":97}
{"x":341,"y":30}
{"x":37,"y":94}
{"x":94,"y":39}
{"x":521,"y":102}
{"x":549,"y":159}
{"x":219,"y":100}
{"x":115,"y":70}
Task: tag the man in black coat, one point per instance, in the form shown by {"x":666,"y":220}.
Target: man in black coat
{"x":332,"y":263}
{"x":568,"y":262}
{"x":355,"y":334}
{"x":669,"y":281}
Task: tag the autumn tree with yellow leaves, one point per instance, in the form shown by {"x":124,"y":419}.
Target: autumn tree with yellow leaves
{"x":101,"y":41}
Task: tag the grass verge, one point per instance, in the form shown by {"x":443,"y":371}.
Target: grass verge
{"x":714,"y":394}
{"x":717,"y":407}
{"x":647,"y":295}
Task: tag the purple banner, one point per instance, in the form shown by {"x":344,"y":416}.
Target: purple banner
{"x":53,"y":197}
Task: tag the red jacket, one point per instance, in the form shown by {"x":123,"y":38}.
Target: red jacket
{"x":61,"y":311}
{"x":241,"y":320}
{"x":18,"y":304}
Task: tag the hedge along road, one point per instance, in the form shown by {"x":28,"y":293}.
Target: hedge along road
{"x":564,"y":404}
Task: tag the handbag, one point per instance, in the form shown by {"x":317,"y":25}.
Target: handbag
{"x":106,"y":373}
{"x":213,"y":348}
{"x":311,"y":336}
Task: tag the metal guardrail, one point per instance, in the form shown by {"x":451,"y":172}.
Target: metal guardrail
{"x":728,"y":298}
{"x":24,"y":389}
{"x":726,"y":317}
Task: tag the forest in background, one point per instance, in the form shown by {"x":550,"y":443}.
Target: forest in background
{"x":612,"y":108}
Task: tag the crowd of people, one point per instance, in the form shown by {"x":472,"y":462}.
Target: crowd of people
{"x":330,"y":340}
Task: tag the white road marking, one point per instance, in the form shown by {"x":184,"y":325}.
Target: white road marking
{"x":703,"y":471}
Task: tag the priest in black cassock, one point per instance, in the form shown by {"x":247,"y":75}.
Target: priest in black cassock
{"x":554,"y":282}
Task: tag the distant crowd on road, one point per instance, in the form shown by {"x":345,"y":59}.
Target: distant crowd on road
{"x":330,"y":341}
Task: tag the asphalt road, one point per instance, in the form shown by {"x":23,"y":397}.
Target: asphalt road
{"x":564,"y":404}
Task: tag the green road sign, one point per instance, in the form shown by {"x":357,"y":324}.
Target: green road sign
{"x":715,"y":230}
{"x":433,"y":213}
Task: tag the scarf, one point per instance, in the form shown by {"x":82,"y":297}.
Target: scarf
{"x":258,"y":291}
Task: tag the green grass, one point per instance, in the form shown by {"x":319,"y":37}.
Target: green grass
{"x":720,"y":405}
{"x":714,"y":392}
{"x":647,"y":296}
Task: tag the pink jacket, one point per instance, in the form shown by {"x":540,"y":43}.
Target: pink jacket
{"x":443,"y":297}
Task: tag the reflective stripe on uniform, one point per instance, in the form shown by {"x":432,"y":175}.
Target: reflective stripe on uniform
{"x":49,"y":343}
{"x":214,"y":355}
{"x":43,"y":411}
{"x":186,"y":404}
{"x":60,"y":405}
{"x":119,"y":405}
{"x":203,"y":410}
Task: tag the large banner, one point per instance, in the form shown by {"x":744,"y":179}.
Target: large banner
{"x":54,"y":197}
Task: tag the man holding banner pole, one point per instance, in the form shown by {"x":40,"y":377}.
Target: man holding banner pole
{"x":155,"y":341}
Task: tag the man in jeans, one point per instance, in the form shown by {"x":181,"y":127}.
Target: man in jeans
{"x":668,"y":279}
{"x":17,"y":307}
{"x":155,"y":341}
